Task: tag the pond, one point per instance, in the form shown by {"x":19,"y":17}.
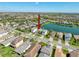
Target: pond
{"x":59,"y":28}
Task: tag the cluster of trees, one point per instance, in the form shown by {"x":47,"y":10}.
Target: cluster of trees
{"x":74,"y":42}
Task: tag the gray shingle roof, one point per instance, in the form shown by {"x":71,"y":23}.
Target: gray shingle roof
{"x":8,"y":41}
{"x":47,"y":50}
{"x":21,"y":49}
{"x":18,"y":39}
{"x":43,"y":55}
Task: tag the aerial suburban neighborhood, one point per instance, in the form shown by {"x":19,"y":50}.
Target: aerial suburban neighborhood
{"x":44,"y":29}
{"x":29,"y":35}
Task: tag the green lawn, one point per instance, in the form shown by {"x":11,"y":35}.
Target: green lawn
{"x":65,"y":50}
{"x":74,"y":43}
{"x":34,"y":41}
{"x":7,"y":51}
{"x":43,"y":44}
{"x":74,"y":46}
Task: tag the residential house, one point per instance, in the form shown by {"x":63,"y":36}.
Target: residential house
{"x":44,"y":32}
{"x":3,"y":33}
{"x":43,"y":55}
{"x":76,"y":37}
{"x":68,"y":36}
{"x":34,"y":30}
{"x":17,"y":42}
{"x":60,"y":35}
{"x":46,"y":50}
{"x":33,"y":50}
{"x":8,"y":41}
{"x":25,"y":46}
{"x":59,"y":52}
{"x":74,"y":53}
{"x":5,"y":37}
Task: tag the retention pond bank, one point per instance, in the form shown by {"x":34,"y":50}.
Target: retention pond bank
{"x":59,"y":28}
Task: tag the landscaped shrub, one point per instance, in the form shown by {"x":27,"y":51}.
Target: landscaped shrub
{"x":74,"y":42}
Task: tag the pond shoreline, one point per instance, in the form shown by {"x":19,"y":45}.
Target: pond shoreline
{"x":50,"y":26}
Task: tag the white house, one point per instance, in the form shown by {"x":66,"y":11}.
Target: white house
{"x":60,"y":35}
{"x":76,"y":37}
{"x":34,"y":30}
{"x":44,"y":32}
{"x":68,"y":36}
{"x":3,"y":33}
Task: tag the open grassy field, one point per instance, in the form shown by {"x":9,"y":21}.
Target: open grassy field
{"x":7,"y":51}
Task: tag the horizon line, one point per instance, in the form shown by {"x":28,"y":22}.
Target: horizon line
{"x":35,"y":12}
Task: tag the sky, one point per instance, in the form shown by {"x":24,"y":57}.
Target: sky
{"x":39,"y":7}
